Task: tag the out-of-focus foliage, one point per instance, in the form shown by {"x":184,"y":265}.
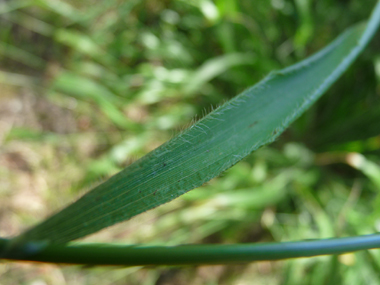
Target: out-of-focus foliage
{"x":86,"y":87}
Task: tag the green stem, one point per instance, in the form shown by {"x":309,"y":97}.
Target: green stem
{"x":135,"y":255}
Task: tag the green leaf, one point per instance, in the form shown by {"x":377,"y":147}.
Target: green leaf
{"x":87,"y":89}
{"x":215,"y":143}
{"x":214,"y":67}
{"x":132,"y":255}
{"x":20,"y":55}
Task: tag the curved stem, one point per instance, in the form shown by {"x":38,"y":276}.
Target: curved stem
{"x":138,"y":255}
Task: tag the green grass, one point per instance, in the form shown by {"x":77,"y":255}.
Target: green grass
{"x":148,"y":85}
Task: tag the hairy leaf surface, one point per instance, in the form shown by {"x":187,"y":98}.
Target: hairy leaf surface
{"x":215,"y":143}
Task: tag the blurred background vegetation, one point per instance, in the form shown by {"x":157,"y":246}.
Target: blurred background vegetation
{"x":87,"y":87}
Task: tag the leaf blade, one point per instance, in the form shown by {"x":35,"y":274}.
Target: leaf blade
{"x":139,"y":255}
{"x":210,"y":146}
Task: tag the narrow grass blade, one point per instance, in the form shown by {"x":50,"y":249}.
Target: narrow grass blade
{"x":88,"y":89}
{"x":6,"y":7}
{"x":20,"y":55}
{"x":82,"y":43}
{"x":132,"y":255}
{"x":209,"y":147}
{"x":369,"y":168}
{"x":31,"y":23}
{"x":8,"y":78}
{"x":214,"y":67}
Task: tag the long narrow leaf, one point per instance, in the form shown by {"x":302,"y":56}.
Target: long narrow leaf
{"x":209,"y":147}
{"x":111,"y":254}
